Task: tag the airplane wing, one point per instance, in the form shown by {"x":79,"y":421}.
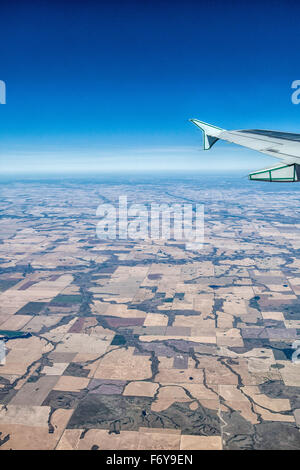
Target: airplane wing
{"x":282,"y":145}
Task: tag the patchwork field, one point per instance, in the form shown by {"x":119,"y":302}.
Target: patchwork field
{"x":142,"y":344}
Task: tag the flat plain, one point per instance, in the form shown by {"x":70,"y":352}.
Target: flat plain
{"x":143,"y":344}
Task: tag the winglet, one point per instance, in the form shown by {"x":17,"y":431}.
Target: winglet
{"x":211,"y":133}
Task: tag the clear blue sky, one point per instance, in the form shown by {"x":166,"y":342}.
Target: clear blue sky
{"x":95,"y":86}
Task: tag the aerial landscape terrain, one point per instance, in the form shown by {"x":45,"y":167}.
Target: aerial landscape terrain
{"x":143,"y":344}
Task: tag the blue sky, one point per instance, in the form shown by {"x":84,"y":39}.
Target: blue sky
{"x":99,"y":86}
